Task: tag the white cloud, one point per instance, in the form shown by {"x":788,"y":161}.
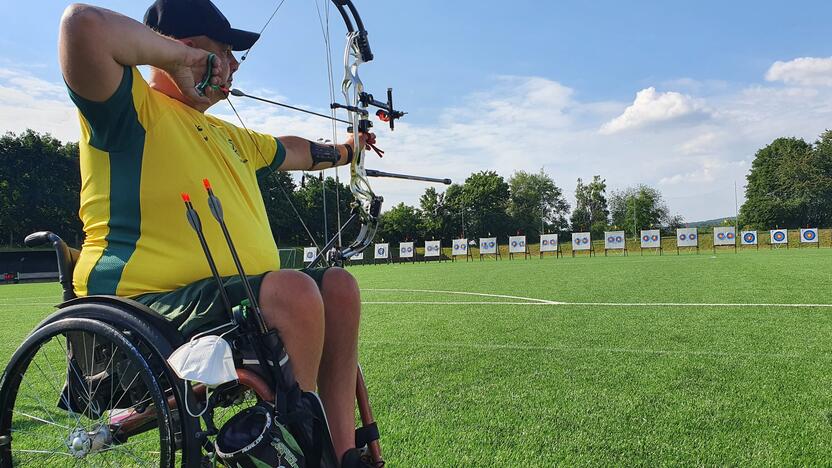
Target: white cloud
{"x":803,"y":71}
{"x":30,"y":102}
{"x":652,"y":107}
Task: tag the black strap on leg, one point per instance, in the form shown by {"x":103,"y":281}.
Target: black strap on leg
{"x":366,"y":434}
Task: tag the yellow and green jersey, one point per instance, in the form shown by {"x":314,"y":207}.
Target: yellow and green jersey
{"x":140,"y":150}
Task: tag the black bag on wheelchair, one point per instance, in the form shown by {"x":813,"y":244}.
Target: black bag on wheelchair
{"x":96,"y":380}
{"x":293,"y":433}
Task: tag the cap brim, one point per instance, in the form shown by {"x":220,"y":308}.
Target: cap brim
{"x":242,"y":40}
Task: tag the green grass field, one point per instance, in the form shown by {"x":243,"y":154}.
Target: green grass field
{"x":580,"y":366}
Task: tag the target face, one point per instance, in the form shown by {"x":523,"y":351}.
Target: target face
{"x":488,"y":245}
{"x":725,"y":235}
{"x":406,"y":250}
{"x":460,"y":247}
{"x":779,"y":236}
{"x":809,"y":235}
{"x":549,"y":243}
{"x":686,"y":237}
{"x":651,"y":239}
{"x":581,"y":241}
{"x":309,"y":254}
{"x":517,"y":244}
{"x":432,"y":248}
{"x":614,"y":240}
{"x":358,"y":256}
{"x":749,"y":237}
{"x":381,"y":250}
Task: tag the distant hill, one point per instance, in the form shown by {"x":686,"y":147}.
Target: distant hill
{"x":712,"y":222}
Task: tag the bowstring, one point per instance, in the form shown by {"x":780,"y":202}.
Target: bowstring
{"x":273,"y":175}
{"x":325,"y":30}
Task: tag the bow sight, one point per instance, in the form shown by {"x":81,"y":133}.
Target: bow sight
{"x":386,"y":113}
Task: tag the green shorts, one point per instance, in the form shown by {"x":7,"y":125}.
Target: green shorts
{"x":198,"y":307}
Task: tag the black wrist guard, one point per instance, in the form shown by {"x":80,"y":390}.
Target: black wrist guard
{"x":350,"y":154}
{"x":322,"y":154}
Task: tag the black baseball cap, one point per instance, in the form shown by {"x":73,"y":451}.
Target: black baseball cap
{"x":187,"y":18}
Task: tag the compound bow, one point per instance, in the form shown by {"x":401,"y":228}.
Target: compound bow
{"x":366,"y":207}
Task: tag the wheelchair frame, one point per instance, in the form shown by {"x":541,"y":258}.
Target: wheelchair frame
{"x":143,"y":326}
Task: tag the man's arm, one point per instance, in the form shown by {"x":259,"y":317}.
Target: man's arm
{"x":94,"y":45}
{"x":299,"y":154}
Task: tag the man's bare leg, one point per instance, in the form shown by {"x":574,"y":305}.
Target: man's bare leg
{"x":339,"y":363}
{"x":292,"y":304}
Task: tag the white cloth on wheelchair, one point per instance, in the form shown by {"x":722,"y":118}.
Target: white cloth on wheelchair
{"x":206,"y":360}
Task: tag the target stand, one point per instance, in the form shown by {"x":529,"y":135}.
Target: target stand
{"x":724,"y":236}
{"x":622,"y":250}
{"x":547,"y":242}
{"x":516,"y":243}
{"x":433,"y":252}
{"x":809,"y":236}
{"x":491,"y":247}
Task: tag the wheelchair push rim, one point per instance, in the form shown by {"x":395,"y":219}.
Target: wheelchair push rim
{"x":69,"y":394}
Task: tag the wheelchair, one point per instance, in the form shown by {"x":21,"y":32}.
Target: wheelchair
{"x":91,"y":386}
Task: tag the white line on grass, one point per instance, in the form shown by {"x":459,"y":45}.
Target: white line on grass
{"x":533,"y":301}
{"x":514,"y":347}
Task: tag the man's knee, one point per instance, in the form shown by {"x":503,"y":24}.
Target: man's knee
{"x":340,"y":289}
{"x":292,"y":295}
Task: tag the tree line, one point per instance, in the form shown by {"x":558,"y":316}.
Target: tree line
{"x":789,"y":186}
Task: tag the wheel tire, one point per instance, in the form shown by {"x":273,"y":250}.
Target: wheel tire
{"x":156,"y":345}
{"x":22,"y":427}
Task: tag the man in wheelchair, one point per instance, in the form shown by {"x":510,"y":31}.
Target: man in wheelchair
{"x":143,"y":142}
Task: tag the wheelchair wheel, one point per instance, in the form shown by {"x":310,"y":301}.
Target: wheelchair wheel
{"x":78,"y":392}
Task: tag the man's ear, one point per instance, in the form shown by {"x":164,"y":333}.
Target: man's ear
{"x":188,"y":42}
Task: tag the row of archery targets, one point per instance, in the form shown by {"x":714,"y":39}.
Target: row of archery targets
{"x":614,"y":241}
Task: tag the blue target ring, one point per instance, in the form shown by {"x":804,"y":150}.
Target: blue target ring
{"x":693,"y":237}
{"x":721,"y":235}
{"x":309,"y":254}
{"x":730,"y":235}
{"x":779,"y":236}
{"x":610,"y":239}
{"x":682,"y":236}
{"x":514,"y":243}
{"x":655,"y":238}
{"x":645,"y":238}
{"x":381,"y":251}
{"x":749,"y":237}
{"x":619,"y":239}
{"x":809,"y":235}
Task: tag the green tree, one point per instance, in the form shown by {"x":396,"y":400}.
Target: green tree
{"x":433,"y":214}
{"x":591,"y":212}
{"x":536,"y":203}
{"x":790,"y":185}
{"x":485,"y":197}
{"x":401,"y":223}
{"x":641,"y":207}
{"x":40,"y":184}
{"x":309,"y":201}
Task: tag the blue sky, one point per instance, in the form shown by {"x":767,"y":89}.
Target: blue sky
{"x":677,"y":95}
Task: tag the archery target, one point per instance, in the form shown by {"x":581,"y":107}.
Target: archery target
{"x":382,"y":251}
{"x":581,"y":241}
{"x":549,"y":243}
{"x":779,"y":236}
{"x":358,"y":256}
{"x":809,"y":236}
{"x":748,"y":237}
{"x":406,"y":249}
{"x":309,"y":254}
{"x":517,"y":244}
{"x":488,"y":245}
{"x":614,"y":240}
{"x":687,"y":237}
{"x":432,"y":248}
{"x":460,"y":247}
{"x":651,"y":239}
{"x":725,"y":235}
